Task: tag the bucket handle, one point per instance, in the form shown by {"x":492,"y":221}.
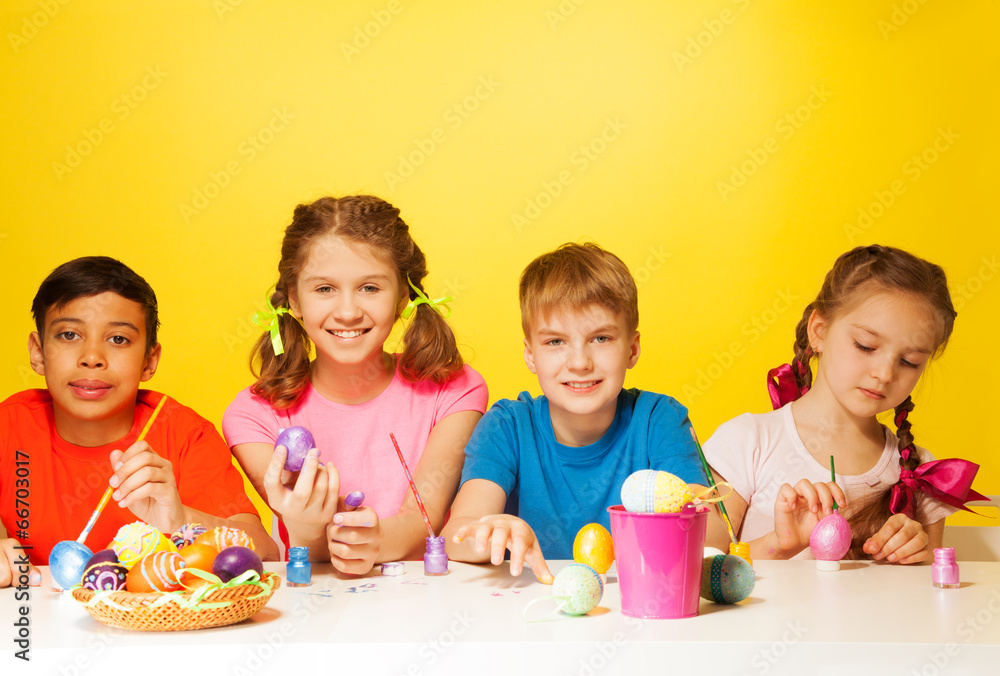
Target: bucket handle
{"x":687,"y":515}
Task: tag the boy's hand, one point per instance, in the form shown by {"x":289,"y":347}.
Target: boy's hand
{"x":899,"y":540}
{"x":355,"y":539}
{"x":309,"y":504}
{"x":10,"y":565}
{"x":502,"y":532}
{"x":797,"y":510}
{"x":144,"y":484}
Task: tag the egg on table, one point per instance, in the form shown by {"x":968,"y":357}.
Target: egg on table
{"x":726,"y":578}
{"x":579,"y":588}
{"x":593,"y":546}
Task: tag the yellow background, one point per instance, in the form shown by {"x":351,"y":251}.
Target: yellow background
{"x":807,"y":111}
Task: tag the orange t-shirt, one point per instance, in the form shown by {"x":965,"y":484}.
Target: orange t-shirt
{"x":56,"y":485}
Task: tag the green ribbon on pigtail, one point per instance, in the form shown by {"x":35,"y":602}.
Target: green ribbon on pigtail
{"x":268,"y":320}
{"x":439,"y":304}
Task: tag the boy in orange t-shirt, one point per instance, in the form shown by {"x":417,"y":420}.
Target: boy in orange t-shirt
{"x":61,"y":447}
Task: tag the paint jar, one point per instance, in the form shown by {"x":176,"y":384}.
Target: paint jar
{"x":944,"y":572}
{"x":435,"y":558}
{"x":298,"y":572}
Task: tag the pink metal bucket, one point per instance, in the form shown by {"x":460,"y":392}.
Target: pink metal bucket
{"x":659,"y":558}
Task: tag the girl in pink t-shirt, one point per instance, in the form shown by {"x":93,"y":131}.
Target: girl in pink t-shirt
{"x":349,"y":269}
{"x":879,"y":318}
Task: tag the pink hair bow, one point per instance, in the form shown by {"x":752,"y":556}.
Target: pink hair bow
{"x":783,"y":386}
{"x":948,"y":480}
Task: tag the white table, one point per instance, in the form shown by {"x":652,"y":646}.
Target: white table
{"x":866,"y":618}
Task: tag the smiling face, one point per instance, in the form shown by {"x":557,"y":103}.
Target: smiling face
{"x":93,"y":356}
{"x":872,"y":356}
{"x":580,"y":358}
{"x":348,"y":300}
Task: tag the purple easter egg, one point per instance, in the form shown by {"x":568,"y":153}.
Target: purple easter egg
{"x":234,"y":561}
{"x":298,"y":441}
{"x":105,"y":576}
{"x":103,"y":556}
{"x":830,"y":538}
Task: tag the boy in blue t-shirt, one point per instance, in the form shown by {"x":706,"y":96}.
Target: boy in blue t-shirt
{"x":555,"y":463}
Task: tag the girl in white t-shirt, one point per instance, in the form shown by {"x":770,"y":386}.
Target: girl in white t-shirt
{"x":349,"y":270}
{"x":879,"y":318}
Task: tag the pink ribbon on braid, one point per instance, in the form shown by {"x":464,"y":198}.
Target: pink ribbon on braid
{"x":783,"y":386}
{"x":948,"y":480}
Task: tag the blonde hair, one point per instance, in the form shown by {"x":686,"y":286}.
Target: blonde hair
{"x":430,"y":351}
{"x":577,"y":275}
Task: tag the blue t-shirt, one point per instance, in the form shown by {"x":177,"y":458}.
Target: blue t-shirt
{"x":559,"y":489}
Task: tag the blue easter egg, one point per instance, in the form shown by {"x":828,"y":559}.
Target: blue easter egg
{"x":726,"y":578}
{"x":67,"y":562}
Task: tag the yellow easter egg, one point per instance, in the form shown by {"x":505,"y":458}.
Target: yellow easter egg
{"x":135,"y":540}
{"x":593,"y":547}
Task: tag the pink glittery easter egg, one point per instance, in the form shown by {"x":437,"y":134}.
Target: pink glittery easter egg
{"x":830,"y":538}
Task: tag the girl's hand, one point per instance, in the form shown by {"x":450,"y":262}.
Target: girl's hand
{"x":900,"y":540}
{"x":355,"y":539}
{"x":310,"y":503}
{"x":144,"y":484}
{"x":502,"y":532}
{"x":797,"y":510}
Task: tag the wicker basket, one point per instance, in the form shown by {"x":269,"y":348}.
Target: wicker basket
{"x":172,"y":617}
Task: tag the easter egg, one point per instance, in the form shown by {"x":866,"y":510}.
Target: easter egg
{"x":103,"y":556}
{"x":193,"y":583}
{"x":104,"y":576}
{"x":186,"y":534}
{"x":135,"y":540}
{"x":234,"y":561}
{"x":726,"y":578}
{"x":221,"y":537}
{"x":593,"y":547}
{"x":68,"y":561}
{"x":298,"y":441}
{"x":158,"y":571}
{"x":199,"y":556}
{"x":649,"y":490}
{"x":830,"y":538}
{"x":579,"y":589}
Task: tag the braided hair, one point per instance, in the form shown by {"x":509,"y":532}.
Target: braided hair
{"x":860,"y":273}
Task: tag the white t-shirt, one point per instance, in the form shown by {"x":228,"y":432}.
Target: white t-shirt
{"x":757,"y":453}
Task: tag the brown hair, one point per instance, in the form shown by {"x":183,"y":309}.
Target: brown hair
{"x":576,"y":275}
{"x":861,"y":272}
{"x":430,"y":351}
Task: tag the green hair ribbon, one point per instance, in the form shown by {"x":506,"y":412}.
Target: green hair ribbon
{"x":268,"y":320}
{"x":439,"y":304}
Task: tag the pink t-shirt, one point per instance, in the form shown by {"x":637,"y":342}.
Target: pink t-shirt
{"x":757,"y":453}
{"x":355,"y":437}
